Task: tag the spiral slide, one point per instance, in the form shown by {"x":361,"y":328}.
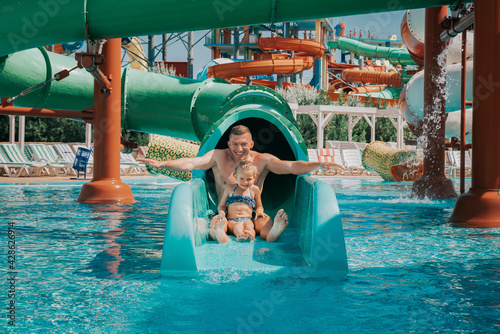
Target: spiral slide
{"x":273,"y":63}
{"x":189,"y":109}
{"x":372,"y":74}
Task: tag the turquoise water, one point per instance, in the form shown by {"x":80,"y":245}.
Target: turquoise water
{"x":95,"y":269}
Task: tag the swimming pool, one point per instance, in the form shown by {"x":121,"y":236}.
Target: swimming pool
{"x":95,"y":269}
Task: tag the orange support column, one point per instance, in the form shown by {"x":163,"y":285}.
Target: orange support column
{"x":433,"y":183}
{"x":106,"y":185}
{"x":480,"y":207}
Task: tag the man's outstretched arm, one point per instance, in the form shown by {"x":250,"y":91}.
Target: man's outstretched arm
{"x":204,"y":162}
{"x":278,"y":166}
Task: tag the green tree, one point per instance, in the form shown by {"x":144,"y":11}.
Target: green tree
{"x":141,"y":138}
{"x":308,"y":130}
{"x":384,"y":130}
{"x":4,"y":128}
{"x":40,"y":129}
{"x":337,"y":128}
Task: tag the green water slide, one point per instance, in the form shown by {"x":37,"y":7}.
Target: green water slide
{"x":32,"y":23}
{"x":396,"y":56}
{"x":189,"y":109}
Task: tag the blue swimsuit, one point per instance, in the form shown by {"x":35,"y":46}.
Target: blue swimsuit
{"x":240,"y":199}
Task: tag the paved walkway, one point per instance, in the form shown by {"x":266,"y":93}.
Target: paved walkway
{"x":49,"y":179}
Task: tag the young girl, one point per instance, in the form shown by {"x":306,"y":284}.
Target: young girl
{"x":237,"y":205}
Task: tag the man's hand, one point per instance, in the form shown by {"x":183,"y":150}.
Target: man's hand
{"x":151,"y":162}
{"x":329,"y":165}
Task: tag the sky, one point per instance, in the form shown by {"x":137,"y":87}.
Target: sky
{"x":381,"y":24}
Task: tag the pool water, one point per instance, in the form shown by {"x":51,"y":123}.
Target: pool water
{"x":95,"y":269}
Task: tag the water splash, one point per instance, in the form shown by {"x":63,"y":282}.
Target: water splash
{"x":433,"y":115}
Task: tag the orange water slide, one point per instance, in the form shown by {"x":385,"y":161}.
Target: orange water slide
{"x":308,"y":47}
{"x":374,"y":77}
{"x":412,"y":33}
{"x":272,"y":63}
{"x":261,"y":82}
{"x":363,"y":89}
{"x":337,"y":67}
{"x":336,"y":84}
{"x":57,"y":48}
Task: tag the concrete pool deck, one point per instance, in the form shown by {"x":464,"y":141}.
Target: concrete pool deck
{"x":65,"y":178}
{"x":71,"y":178}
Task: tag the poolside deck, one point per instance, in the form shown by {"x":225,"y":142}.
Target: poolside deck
{"x":71,"y":178}
{"x":62,"y":178}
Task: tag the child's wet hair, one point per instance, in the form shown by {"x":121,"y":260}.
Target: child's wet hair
{"x":246,"y":166}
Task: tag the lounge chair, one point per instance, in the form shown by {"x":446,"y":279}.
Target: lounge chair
{"x":312,"y":155}
{"x":359,"y":146}
{"x":65,"y":152}
{"x":344,"y":145}
{"x":11,"y":168}
{"x":126,"y":167}
{"x":454,"y":157}
{"x":331,"y":155}
{"x":352,"y":161}
{"x":47,"y":154}
{"x":142,"y":151}
{"x":134,"y":167}
{"x":14,"y":154}
{"x":449,"y":162}
{"x":337,"y":158}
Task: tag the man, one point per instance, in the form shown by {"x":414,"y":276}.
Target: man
{"x":223,"y":162}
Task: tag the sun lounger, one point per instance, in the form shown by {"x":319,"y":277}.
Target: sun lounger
{"x":142,"y":151}
{"x":47,"y":154}
{"x":454,"y":163}
{"x":127,"y":166}
{"x":11,"y":168}
{"x":14,"y":154}
{"x":344,"y":145}
{"x":134,"y":167}
{"x":352,"y":161}
{"x":312,"y":155}
{"x":65,"y":152}
{"x":330,"y":155}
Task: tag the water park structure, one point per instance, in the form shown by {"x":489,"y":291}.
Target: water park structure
{"x":95,"y":89}
{"x":282,"y":56}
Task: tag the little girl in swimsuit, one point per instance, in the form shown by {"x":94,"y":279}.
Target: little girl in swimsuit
{"x":238,"y":204}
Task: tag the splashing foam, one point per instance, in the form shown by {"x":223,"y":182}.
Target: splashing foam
{"x":434,"y":123}
{"x":435,"y":120}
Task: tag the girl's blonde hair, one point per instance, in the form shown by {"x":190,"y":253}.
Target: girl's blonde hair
{"x":246,"y":166}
